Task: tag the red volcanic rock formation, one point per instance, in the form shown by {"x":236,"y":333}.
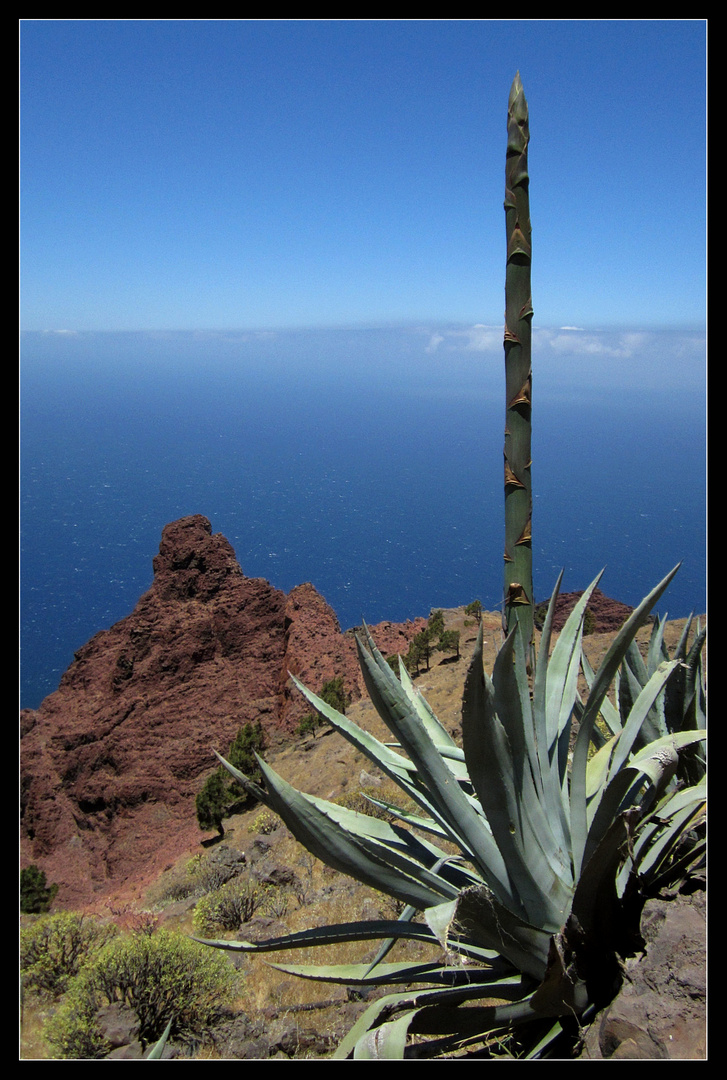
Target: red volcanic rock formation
{"x":111,"y":762}
{"x":609,"y":615}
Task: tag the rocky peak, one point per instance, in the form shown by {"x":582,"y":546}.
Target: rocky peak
{"x":192,"y":563}
{"x":112,"y":761}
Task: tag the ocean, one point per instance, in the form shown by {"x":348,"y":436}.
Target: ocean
{"x":348,"y":459}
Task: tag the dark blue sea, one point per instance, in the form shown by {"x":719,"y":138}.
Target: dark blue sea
{"x":342,"y":458}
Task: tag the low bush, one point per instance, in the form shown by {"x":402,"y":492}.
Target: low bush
{"x":265,"y":823}
{"x":358,"y":801}
{"x":215,"y":868}
{"x":219,"y":798}
{"x":228,"y":907}
{"x":36,"y":895}
{"x":161,"y":978}
{"x":308,"y":724}
{"x":54,"y":948}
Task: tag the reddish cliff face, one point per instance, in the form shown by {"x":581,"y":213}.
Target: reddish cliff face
{"x":608,"y":615}
{"x":111,"y":762}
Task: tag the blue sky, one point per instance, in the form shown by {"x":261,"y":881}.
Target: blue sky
{"x":253,"y":175}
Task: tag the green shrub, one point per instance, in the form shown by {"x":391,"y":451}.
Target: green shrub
{"x":162,"y":978}
{"x":219,"y":798}
{"x":228,"y":907}
{"x":55,"y":948}
{"x":212,"y":802}
{"x":35,"y":895}
{"x":308,"y":723}
{"x":213,"y":869}
{"x":73,"y":1031}
{"x":475,"y":608}
{"x":449,"y":642}
{"x":265,"y":823}
{"x":249,"y":740}
{"x":334,"y":694}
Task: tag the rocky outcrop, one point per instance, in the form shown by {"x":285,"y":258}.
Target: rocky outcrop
{"x":111,"y":762}
{"x":608,"y":615}
{"x":660,"y":1011}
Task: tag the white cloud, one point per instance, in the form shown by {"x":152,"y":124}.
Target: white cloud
{"x":574,"y":356}
{"x":434,"y":342}
{"x":629,"y":359}
{"x":477,"y":338}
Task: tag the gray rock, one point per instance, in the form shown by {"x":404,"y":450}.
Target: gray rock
{"x":660,"y":1012}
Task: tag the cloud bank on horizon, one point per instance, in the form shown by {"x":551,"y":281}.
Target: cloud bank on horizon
{"x":425,"y":357}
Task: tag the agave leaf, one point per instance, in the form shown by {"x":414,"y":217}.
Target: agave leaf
{"x":657,"y":650}
{"x":635,"y":661}
{"x":540,"y":711}
{"x":678,"y":740}
{"x":398,"y":768}
{"x":692,"y":706}
{"x":423,"y":824}
{"x":654,"y":765}
{"x":333,"y":934}
{"x":439,"y":734}
{"x":609,"y":712}
{"x":545,"y":846}
{"x":362,"y":858}
{"x":598,"y":768}
{"x":465,"y":874}
{"x":673,"y":870}
{"x":681,"y":649}
{"x":640,"y":712}
{"x":655,"y":853}
{"x":476,"y":917}
{"x":560,"y":702}
{"x":655,"y":724}
{"x":386,"y":1041}
{"x":512,"y":705}
{"x":562,"y":673}
{"x":439,"y":919}
{"x":435,"y":1016}
{"x":596,"y":900}
{"x":158,"y":1048}
{"x":529,"y":857}
{"x":675,"y":801}
{"x":457,"y":1026}
{"x":365,"y":1023}
{"x":386,"y":946}
{"x":385,"y":974}
{"x":554,"y":804}
{"x":666,"y":826}
{"x":601,"y":683}
{"x":250,"y":786}
{"x":382,"y":755}
{"x":376,"y":831}
{"x":490,"y":765}
{"x":456,"y":812}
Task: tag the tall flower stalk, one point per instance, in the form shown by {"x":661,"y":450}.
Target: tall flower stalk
{"x":518,"y":578}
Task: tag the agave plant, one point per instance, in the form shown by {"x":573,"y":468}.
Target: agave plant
{"x":530,"y":853}
{"x":682,"y":704}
